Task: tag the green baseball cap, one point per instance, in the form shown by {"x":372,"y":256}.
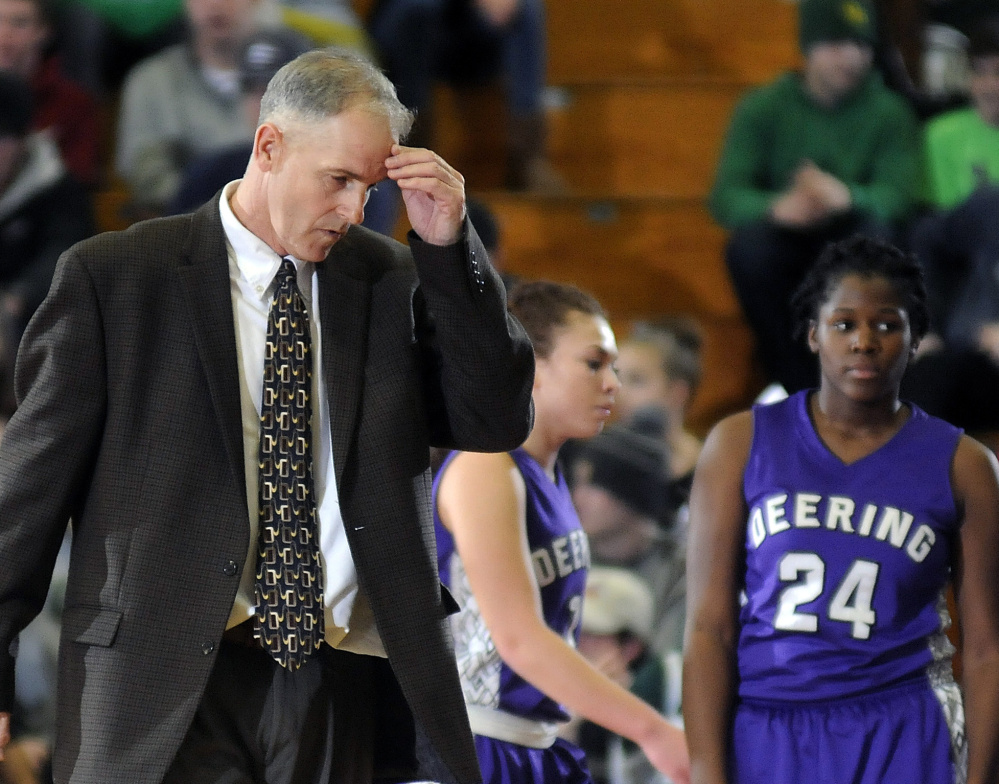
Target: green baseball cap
{"x":836,"y":20}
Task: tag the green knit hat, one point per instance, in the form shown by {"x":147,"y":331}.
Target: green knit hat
{"x":835,"y":20}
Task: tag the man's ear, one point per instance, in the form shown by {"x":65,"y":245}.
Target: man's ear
{"x":267,"y":142}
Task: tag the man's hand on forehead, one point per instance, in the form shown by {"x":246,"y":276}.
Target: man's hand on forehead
{"x":433,"y":191}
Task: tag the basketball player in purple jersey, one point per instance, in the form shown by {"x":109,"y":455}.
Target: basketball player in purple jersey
{"x":824,"y":532}
{"x":511,"y":549}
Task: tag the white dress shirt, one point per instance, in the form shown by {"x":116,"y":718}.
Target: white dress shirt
{"x":252,"y":266}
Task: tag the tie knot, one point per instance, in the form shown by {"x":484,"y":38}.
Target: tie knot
{"x":287,"y":272}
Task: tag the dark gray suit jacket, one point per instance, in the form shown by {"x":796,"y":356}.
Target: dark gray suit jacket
{"x":129,"y":424}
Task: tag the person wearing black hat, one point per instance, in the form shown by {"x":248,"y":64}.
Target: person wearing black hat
{"x":814,"y":156}
{"x":43,"y":211}
{"x":621,"y":490}
{"x":30,"y":48}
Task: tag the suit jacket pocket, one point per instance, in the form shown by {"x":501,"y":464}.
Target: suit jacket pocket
{"x":90,"y":625}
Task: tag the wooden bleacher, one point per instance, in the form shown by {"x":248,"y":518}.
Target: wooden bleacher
{"x":642,"y":257}
{"x":743,"y":40}
{"x":641,"y":138}
{"x":645,"y":90}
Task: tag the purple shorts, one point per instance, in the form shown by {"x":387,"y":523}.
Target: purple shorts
{"x":503,"y":762}
{"x":895,"y":736}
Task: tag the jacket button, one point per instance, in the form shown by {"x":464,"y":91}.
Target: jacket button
{"x":230,"y":568}
{"x":207,"y":648}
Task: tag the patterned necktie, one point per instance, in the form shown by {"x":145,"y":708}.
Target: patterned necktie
{"x":289,"y":618}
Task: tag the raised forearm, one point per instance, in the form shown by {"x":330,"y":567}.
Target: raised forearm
{"x":484,"y":360}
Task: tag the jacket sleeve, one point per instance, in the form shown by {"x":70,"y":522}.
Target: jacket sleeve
{"x":48,"y":448}
{"x":478,"y":359}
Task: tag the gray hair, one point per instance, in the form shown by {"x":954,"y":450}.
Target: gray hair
{"x":325,"y":82}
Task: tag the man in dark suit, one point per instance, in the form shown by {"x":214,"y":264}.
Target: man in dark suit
{"x":146,"y":416}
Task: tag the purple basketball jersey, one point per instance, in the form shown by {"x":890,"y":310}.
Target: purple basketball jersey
{"x":845,"y":564}
{"x":560,"y":556}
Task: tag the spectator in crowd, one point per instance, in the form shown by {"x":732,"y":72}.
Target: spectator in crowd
{"x":184,"y":102}
{"x":512,"y":552}
{"x":961,"y":15}
{"x":825,"y":532}
{"x":620,"y":487}
{"x":615,"y":635}
{"x":104,"y":39}
{"x":43,"y":211}
{"x":961,"y":150}
{"x":262,"y":54}
{"x":62,"y":107}
{"x":660,"y":368}
{"x":955,"y":374}
{"x":812,"y":157}
{"x":469,"y":42}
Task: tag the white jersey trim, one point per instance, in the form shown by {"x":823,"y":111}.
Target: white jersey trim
{"x":513,"y":729}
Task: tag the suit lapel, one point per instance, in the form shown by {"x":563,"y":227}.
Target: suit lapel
{"x":344,"y":303}
{"x":205,"y":282}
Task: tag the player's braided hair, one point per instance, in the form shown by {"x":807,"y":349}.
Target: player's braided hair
{"x":869,"y":258}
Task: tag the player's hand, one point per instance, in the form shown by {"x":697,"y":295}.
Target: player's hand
{"x":667,"y":751}
{"x":4,"y":732}
{"x":434,"y":193}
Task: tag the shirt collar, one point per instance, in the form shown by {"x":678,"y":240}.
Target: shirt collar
{"x":256,"y":261}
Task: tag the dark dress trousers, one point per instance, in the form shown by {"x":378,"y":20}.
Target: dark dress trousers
{"x":129,"y":424}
